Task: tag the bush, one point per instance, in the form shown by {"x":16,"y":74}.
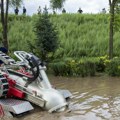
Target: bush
{"x":86,"y":66}
{"x":113,"y":67}
{"x":102,"y":62}
{"x":58,"y":68}
{"x":74,"y":67}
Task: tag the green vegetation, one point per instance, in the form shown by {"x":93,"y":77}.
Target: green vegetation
{"x":86,"y":66}
{"x":75,"y":67}
{"x":57,"y":4}
{"x":113,"y":4}
{"x":79,"y":35}
{"x":113,"y":67}
{"x":47,"y":36}
{"x":83,"y":37}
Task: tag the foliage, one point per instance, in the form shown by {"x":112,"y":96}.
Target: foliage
{"x":79,"y":34}
{"x":15,"y":3}
{"x":86,"y":66}
{"x":112,"y":4}
{"x":4,"y":6}
{"x":71,"y":67}
{"x":46,"y":36}
{"x":117,"y":9}
{"x":117,"y":22}
{"x":113,"y":67}
{"x":57,"y":4}
{"x":101,"y":65}
{"x":116,"y":17}
{"x":82,"y":37}
{"x":1,"y":30}
{"x":20,"y":33}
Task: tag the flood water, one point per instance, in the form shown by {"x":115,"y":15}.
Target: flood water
{"x":95,"y":98}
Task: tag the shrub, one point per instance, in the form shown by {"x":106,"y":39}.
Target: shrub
{"x":74,"y":67}
{"x":113,"y":67}
{"x":87,"y":67}
{"x":102,"y":62}
{"x":58,"y":68}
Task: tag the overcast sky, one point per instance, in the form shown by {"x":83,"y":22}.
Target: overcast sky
{"x":71,"y":6}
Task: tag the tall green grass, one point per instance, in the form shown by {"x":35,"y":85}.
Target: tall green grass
{"x":79,"y":34}
{"x":20,"y":33}
{"x":83,"y":35}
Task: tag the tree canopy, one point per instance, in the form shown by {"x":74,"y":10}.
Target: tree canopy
{"x":15,"y":3}
{"x":57,"y":4}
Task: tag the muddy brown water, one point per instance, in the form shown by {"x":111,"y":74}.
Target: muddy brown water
{"x":95,"y":98}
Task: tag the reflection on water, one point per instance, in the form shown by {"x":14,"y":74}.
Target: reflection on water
{"x":96,"y":98}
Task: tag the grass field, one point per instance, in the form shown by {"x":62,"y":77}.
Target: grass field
{"x":79,"y":34}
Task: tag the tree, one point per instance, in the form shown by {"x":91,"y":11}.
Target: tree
{"x":4,"y":21}
{"x":4,"y":18}
{"x":117,"y":9}
{"x":57,"y":4}
{"x":112,"y":4}
{"x":15,"y":3}
{"x":46,"y":35}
